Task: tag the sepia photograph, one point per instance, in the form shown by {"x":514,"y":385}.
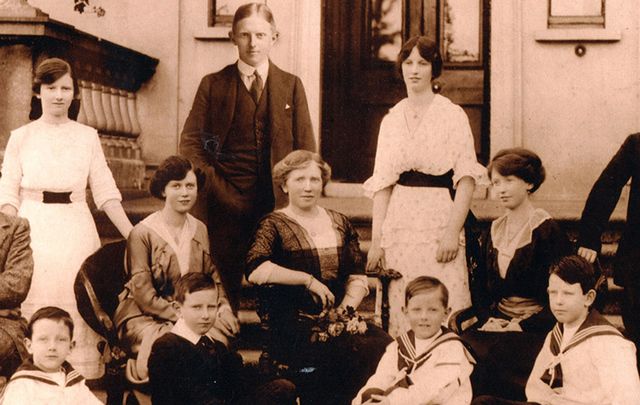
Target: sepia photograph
{"x":320,"y":202}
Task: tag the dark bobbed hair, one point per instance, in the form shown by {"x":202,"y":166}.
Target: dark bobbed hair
{"x":299,"y":159}
{"x":172,"y":168}
{"x":426,"y":283}
{"x":54,"y":314}
{"x":575,"y":269}
{"x":191,"y":283}
{"x":47,"y":72}
{"x":251,"y":9}
{"x":519,"y":162}
{"x":427,"y":49}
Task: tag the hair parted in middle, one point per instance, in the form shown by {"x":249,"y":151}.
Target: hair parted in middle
{"x":299,"y":159}
{"x":519,"y":162}
{"x":427,"y":49}
{"x":49,"y":71}
{"x":172,"y":168}
{"x":251,"y":9}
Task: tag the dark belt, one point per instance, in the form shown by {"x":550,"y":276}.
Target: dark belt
{"x":414,"y":178}
{"x":52,"y":197}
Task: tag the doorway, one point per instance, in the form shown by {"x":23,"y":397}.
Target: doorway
{"x":360,"y":82}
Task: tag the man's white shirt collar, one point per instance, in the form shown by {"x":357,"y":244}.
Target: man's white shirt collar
{"x":247,"y":70}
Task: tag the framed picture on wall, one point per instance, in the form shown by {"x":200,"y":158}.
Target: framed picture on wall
{"x":221,"y":11}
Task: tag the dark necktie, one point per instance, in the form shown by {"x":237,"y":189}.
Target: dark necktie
{"x":206,"y":343}
{"x":256,"y":87}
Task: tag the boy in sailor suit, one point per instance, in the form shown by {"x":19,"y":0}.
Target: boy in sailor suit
{"x":46,"y":378}
{"x":584,"y":360}
{"x":427,"y":365}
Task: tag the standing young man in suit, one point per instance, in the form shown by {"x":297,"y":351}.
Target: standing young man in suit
{"x":244,"y":118}
{"x":604,"y":195}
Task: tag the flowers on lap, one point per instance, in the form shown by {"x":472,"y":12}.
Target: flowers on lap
{"x":336,"y":322}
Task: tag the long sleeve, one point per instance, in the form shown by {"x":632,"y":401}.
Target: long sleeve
{"x":442,"y":377}
{"x":164,"y":375}
{"x":141,"y":282}
{"x":302,"y":130}
{"x":17,"y":393}
{"x":385,"y":374}
{"x":605,"y":193}
{"x":478,"y":282}
{"x":11,"y":172}
{"x":103,"y":186}
{"x":536,"y":390}
{"x":212,"y":270}
{"x":15,"y":280}
{"x":614,"y":360}
{"x":84,"y":396}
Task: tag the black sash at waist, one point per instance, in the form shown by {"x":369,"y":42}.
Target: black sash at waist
{"x":415,"y":178}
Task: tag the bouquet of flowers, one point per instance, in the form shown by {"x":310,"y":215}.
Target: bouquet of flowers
{"x":336,"y":322}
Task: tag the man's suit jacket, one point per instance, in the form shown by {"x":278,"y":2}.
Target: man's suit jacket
{"x":601,"y":202}
{"x":207,"y":127}
{"x":16,"y":270}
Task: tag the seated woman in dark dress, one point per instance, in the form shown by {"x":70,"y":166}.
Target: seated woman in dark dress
{"x":509,"y":288}
{"x":310,"y":258}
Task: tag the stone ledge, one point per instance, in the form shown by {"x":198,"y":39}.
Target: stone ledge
{"x":360,"y":207}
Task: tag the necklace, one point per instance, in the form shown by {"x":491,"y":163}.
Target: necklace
{"x":414,"y":113}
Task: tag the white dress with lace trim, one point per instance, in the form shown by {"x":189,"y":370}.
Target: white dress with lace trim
{"x":417,"y":216}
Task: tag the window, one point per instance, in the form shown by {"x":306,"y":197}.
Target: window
{"x":577,"y":13}
{"x":221,"y":11}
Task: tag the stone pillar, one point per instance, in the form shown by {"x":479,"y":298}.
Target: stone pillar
{"x":16,"y":72}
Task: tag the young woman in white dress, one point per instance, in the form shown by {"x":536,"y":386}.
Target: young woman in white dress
{"x":47,"y":166}
{"x":425,"y":151}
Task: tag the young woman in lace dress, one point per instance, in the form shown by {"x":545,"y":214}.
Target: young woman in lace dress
{"x":425,"y":151}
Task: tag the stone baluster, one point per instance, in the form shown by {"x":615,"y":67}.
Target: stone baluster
{"x":137,"y":152}
{"x":133,"y":114}
{"x":86,"y":104}
{"x":124,"y":110}
{"x":82,"y":117}
{"x":96,"y":100}
{"x":115,"y":107}
{"x":105,"y":96}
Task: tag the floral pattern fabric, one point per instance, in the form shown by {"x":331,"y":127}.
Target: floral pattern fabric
{"x":417,"y":216}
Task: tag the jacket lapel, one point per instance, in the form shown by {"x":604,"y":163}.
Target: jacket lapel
{"x":225,"y":92}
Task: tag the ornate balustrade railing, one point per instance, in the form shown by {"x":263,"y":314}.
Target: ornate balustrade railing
{"x":108,"y":75}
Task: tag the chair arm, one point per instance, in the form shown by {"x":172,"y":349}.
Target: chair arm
{"x":463,"y":320}
{"x":101,"y":315}
{"x":382,"y":277}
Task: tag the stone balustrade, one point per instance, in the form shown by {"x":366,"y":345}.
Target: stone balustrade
{"x":108,"y":76}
